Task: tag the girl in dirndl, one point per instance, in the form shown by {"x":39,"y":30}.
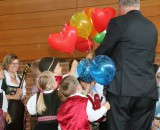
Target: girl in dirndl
{"x":45,"y":103}
{"x":3,"y":105}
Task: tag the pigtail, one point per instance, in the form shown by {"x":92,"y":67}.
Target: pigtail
{"x":40,"y":104}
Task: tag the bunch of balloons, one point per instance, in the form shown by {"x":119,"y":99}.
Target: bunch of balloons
{"x":100,"y":69}
{"x":83,"y":30}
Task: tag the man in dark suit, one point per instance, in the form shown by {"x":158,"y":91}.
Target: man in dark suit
{"x":131,"y":41}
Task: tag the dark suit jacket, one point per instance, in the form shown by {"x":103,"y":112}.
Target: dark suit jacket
{"x":131,"y":41}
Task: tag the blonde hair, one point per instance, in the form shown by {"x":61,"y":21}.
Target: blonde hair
{"x":45,"y":82}
{"x":68,"y":86}
{"x":1,"y":72}
{"x":35,"y":69}
{"x":8,"y":59}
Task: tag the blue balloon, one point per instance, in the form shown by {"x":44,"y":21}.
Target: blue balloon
{"x":102,"y":69}
{"x":83,"y":70}
{"x":158,"y":104}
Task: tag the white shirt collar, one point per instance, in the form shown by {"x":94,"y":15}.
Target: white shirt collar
{"x":49,"y":91}
{"x":78,"y":94}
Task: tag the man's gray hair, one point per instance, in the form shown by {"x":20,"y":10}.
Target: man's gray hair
{"x":129,"y":3}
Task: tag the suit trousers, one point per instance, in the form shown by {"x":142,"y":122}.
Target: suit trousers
{"x":130,"y":113}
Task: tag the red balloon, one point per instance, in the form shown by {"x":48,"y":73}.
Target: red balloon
{"x":64,"y":41}
{"x":100,"y":19}
{"x":110,"y":12}
{"x":84,"y":45}
{"x":67,"y":24}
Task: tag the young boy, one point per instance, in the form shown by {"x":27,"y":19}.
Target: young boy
{"x":76,"y":111}
{"x":156,"y":121}
{"x":96,"y":99}
{"x":3,"y":104}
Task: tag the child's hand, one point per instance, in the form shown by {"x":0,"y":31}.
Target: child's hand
{"x":73,"y":67}
{"x":74,"y":63}
{"x":89,"y":88}
{"x":107,"y":105}
{"x":8,"y":118}
{"x":90,"y":55}
{"x":93,"y":83}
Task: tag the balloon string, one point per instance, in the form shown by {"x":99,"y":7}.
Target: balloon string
{"x":90,"y":50}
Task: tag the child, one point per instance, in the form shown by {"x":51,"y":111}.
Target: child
{"x":156,"y":121}
{"x":96,"y":100}
{"x":3,"y":105}
{"x":72,"y":68}
{"x":35,"y":71}
{"x":45,"y":103}
{"x":52,"y":64}
{"x":76,"y":110}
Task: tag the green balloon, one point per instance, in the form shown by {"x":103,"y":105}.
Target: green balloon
{"x":99,"y":37}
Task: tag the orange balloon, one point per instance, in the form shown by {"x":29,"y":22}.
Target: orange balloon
{"x":89,"y":11}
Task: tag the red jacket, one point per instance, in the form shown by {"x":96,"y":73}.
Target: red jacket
{"x":72,"y":114}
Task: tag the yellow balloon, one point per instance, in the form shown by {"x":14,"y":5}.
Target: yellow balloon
{"x":82,"y":24}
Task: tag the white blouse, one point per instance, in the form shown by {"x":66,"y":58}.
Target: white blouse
{"x":8,"y":82}
{"x":32,"y":103}
{"x":5,"y":101}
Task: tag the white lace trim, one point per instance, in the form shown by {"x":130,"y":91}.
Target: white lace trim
{"x":8,"y":79}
